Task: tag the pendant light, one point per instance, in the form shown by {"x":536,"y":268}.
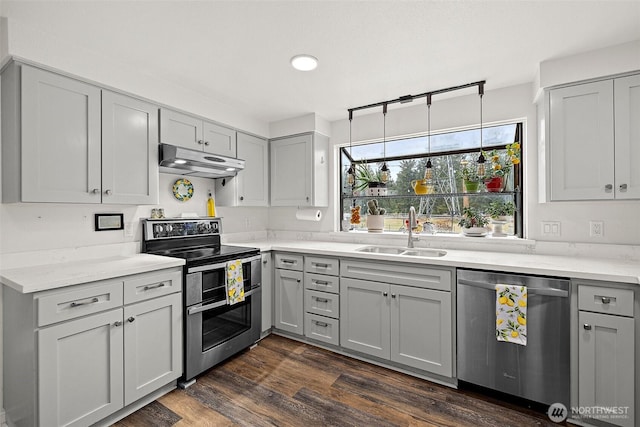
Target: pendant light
{"x":481,"y":160}
{"x":351,"y":172}
{"x":428,"y":173}
{"x":384,"y":170}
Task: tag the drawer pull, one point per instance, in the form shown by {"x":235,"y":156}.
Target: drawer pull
{"x":587,"y":327}
{"x":287,"y":261}
{"x":91,"y":301}
{"x":606,"y":300}
{"x":117,"y":323}
{"x":320,"y":265}
{"x":623,"y":187}
{"x":608,"y":188}
{"x":321,"y":299}
{"x":321,"y":324}
{"x":384,"y":294}
{"x":393,"y":295}
{"x":320,"y":282}
{"x":298,"y":280}
{"x":149,"y":287}
{"x":131,"y":319}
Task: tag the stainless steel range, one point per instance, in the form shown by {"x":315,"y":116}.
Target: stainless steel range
{"x":213,"y":329}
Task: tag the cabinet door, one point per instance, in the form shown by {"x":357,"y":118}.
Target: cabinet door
{"x":129,"y":150}
{"x":60,"y":139}
{"x":581,"y":142}
{"x":80,"y":370}
{"x":267,"y":292}
{"x":219,"y":140}
{"x":253,"y":180}
{"x":421,"y":329}
{"x":291,"y":171}
{"x":627,"y":110}
{"x":289,"y":301}
{"x":181,"y":130}
{"x":153,"y":345}
{"x":606,"y":363}
{"x":364,"y":317}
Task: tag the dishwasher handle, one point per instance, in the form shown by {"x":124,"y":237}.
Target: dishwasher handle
{"x":551,"y":292}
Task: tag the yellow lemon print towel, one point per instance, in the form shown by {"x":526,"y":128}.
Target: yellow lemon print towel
{"x":235,"y":286}
{"x":511,"y":313}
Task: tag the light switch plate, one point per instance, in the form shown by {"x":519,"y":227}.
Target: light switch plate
{"x":550,"y":228}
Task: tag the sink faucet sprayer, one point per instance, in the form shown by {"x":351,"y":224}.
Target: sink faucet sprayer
{"x":413,"y":224}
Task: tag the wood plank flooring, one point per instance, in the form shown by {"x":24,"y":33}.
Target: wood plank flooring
{"x":283,"y":382}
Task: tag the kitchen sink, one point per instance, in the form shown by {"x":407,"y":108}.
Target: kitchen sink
{"x":392,"y":250}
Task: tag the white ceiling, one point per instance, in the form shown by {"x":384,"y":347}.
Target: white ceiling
{"x":237,"y":52}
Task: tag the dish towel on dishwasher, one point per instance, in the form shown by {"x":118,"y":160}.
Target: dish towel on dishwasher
{"x":511,"y":313}
{"x":235,"y":285}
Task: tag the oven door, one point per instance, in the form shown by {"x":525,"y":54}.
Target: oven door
{"x":216,"y":331}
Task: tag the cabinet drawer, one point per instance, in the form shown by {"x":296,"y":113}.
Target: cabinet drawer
{"x":607,"y":300}
{"x":314,"y":264}
{"x":398,"y":274}
{"x":321,"y":328}
{"x":289,"y":261}
{"x":146,"y":286}
{"x":59,"y":306}
{"x":322,"y":303}
{"x":319,"y":282}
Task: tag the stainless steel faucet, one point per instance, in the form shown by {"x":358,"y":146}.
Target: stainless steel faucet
{"x":412,"y":226}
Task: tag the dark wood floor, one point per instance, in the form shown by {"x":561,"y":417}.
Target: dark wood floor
{"x":287,"y":383}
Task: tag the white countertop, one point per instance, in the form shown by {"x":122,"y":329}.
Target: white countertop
{"x":27,"y":279}
{"x":621,"y":271}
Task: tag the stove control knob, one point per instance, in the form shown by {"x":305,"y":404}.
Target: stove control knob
{"x":169,"y":228}
{"x":158,"y":228}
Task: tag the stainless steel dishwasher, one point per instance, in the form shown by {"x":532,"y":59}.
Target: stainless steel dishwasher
{"x":538,"y":371}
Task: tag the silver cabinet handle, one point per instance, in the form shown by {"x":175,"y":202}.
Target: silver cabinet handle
{"x":108,"y":192}
{"x":321,"y":324}
{"x":131,"y":319}
{"x":606,"y":300}
{"x":393,"y":295}
{"x":287,"y":261}
{"x":95,"y":191}
{"x":206,"y":143}
{"x":320,"y":265}
{"x":320,"y":282}
{"x":623,"y":187}
{"x":384,"y":294}
{"x":200,"y":142}
{"x":587,"y":327}
{"x":321,"y":299}
{"x":91,"y":301}
{"x":149,"y":287}
{"x":117,"y":323}
{"x":307,"y":198}
{"x":241,"y":198}
{"x":298,"y":280}
{"x":608,"y":187}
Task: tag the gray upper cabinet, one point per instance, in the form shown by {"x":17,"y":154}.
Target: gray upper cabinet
{"x":300,"y":170}
{"x":68,"y":141}
{"x":251,"y":186}
{"x":196,"y":134}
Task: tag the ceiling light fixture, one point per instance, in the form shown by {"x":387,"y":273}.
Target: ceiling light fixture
{"x":384,"y":170}
{"x":304,"y":62}
{"x":351,"y":173}
{"x":481,"y":160}
{"x":428,"y":173}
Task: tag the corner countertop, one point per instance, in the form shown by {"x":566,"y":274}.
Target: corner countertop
{"x":601,"y":269}
{"x":35,"y":278}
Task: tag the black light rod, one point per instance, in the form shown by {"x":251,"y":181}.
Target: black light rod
{"x":407,"y":98}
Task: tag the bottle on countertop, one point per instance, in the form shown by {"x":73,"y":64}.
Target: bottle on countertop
{"x":211,"y":206}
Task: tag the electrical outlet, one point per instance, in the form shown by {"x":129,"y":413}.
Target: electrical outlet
{"x":550,"y":228}
{"x":128,"y":229}
{"x":596,"y":228}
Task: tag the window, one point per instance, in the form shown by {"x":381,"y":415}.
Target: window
{"x":441,"y":209}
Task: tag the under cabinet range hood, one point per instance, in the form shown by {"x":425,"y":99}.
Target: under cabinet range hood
{"x":182,"y":161}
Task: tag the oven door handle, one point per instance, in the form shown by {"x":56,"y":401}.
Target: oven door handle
{"x":221,"y":265}
{"x":212,"y":306}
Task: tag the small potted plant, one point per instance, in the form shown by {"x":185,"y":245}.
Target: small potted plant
{"x":473,"y":223}
{"x":501,"y":164}
{"x":375,"y":217}
{"x":369,"y":181}
{"x":499,"y":211}
{"x":470,"y":177}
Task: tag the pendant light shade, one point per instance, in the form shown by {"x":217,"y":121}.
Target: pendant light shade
{"x":384,"y":170}
{"x":351,"y":172}
{"x":480,"y":169}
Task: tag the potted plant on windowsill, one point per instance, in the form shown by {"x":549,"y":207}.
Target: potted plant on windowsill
{"x":369,"y":181}
{"x":470,"y":178}
{"x":473,"y":223}
{"x":501,"y":164}
{"x":499,"y":211}
{"x":375,"y":217}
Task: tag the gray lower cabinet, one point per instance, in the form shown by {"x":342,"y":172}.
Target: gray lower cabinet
{"x":606,"y":348}
{"x":410,"y":325}
{"x":76,"y":355}
{"x":289,"y":293}
{"x":322,"y":299}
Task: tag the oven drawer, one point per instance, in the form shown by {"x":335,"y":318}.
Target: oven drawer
{"x":145,"y":286}
{"x":602,"y":299}
{"x":289,"y":261}
{"x":61,"y":305}
{"x":322,"y":303}
{"x":314,"y":264}
{"x":322,"y":328}
{"x":320,"y":282}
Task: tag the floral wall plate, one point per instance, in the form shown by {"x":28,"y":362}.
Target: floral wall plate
{"x":183,"y":189}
